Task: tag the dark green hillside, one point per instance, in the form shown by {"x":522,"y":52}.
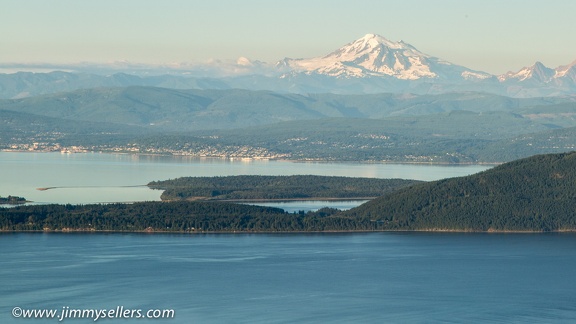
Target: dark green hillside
{"x":276,"y":187}
{"x":533,"y":194}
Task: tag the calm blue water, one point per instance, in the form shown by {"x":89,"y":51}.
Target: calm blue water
{"x":314,"y":205}
{"x":95,"y":178}
{"x":321,"y":278}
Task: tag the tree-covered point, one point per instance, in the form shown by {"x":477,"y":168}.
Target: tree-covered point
{"x":276,"y":187}
{"x":181,"y":216}
{"x":12,"y":200}
{"x":532,"y":194}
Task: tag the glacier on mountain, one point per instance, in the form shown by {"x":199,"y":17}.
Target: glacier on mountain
{"x":376,"y":56}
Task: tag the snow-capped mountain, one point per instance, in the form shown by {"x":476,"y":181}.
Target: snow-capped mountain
{"x":567,"y":71}
{"x":371,"y":64}
{"x":537,"y":72}
{"x":540,"y":74}
{"x":376,"y":56}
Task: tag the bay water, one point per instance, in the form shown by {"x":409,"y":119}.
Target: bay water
{"x":293,"y":278}
{"x":100,"y":178}
{"x":265,"y":278}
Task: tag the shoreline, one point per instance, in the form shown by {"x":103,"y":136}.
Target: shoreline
{"x":232,"y":158}
{"x":88,"y":231}
{"x":265,"y":200}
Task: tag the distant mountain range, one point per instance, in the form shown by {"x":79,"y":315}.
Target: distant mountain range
{"x":448,"y":128}
{"x":371,"y":64}
{"x":370,"y":100}
{"x":173,"y":110}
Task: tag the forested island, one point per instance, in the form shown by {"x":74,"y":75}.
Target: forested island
{"x":296,"y":187}
{"x":536,"y":194}
{"x":12,"y":200}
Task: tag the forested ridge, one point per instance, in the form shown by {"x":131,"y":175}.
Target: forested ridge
{"x":252,"y":187}
{"x":532,"y":194}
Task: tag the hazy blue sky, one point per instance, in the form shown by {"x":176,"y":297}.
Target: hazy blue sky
{"x":489,"y":35}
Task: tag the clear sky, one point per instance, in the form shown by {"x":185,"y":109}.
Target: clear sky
{"x":488,"y":35}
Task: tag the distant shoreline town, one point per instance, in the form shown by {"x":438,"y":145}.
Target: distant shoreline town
{"x":242,"y":153}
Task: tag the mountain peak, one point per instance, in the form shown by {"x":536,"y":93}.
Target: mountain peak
{"x":370,"y":55}
{"x":537,"y":72}
{"x":368,"y":36}
{"x":567,"y":70}
{"x":244,"y":61}
{"x":375,"y":56}
{"x":375,"y":40}
{"x":373,"y":37}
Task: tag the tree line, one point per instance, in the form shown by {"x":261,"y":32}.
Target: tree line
{"x":181,"y":216}
{"x":248,"y":187}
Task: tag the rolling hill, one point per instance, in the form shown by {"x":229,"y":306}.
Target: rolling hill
{"x":533,"y":194}
{"x":187,"y":110}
